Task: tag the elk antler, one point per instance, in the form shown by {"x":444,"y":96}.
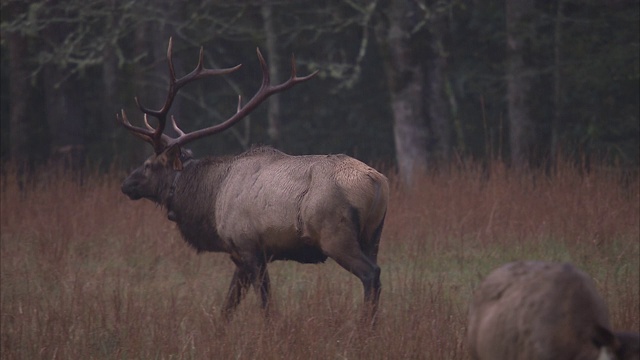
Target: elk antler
{"x":161,"y":141}
{"x":155,"y":137}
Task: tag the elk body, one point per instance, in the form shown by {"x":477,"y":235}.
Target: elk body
{"x":263,"y":205}
{"x":538,"y":310}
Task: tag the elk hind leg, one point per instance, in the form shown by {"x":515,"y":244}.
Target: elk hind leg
{"x":371,"y":244}
{"x":346,"y":252}
{"x":369,"y":274}
{"x":237,"y":289}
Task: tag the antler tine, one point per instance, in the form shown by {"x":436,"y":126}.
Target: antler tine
{"x":293,"y":79}
{"x":293,"y":71}
{"x":139,"y":132}
{"x":172,"y":90}
{"x":124,"y":121}
{"x":172,"y":71}
{"x":146,"y":122}
{"x":266,"y":78}
{"x":175,"y":126}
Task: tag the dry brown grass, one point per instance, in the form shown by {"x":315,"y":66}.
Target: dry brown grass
{"x":87,"y":273}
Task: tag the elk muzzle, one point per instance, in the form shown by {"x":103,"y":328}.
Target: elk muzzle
{"x":131,"y":187}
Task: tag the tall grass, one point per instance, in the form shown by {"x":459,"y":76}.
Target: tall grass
{"x":87,"y":273}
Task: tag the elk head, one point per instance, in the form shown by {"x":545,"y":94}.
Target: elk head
{"x":153,"y":179}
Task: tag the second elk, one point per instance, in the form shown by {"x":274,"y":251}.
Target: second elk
{"x":543,"y":311}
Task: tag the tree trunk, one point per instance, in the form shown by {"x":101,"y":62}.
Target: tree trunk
{"x":109,"y":87}
{"x":19,"y":95}
{"x":405,"y":77}
{"x":65,"y":117}
{"x":558,"y":100}
{"x":522,"y":130}
{"x":110,"y":102}
{"x":437,"y":100}
{"x":273,"y":104}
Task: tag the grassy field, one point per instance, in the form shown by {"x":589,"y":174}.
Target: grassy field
{"x":87,"y":273}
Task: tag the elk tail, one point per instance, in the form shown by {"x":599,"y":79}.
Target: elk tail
{"x":370,"y":240}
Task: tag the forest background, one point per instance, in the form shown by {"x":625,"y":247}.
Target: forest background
{"x":411,"y":84}
{"x":523,"y":114}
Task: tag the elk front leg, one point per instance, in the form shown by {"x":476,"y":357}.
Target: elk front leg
{"x":249,"y":271}
{"x":237,"y":289}
{"x":262,"y":286}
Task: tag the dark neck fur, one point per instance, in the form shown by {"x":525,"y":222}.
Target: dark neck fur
{"x":191,"y":204}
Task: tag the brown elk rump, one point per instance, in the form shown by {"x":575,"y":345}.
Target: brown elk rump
{"x":539,"y":310}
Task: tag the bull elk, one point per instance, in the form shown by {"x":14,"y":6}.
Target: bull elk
{"x":543,"y":311}
{"x":262,"y":205}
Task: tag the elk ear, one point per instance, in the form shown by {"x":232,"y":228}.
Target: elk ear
{"x":173,"y":156}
